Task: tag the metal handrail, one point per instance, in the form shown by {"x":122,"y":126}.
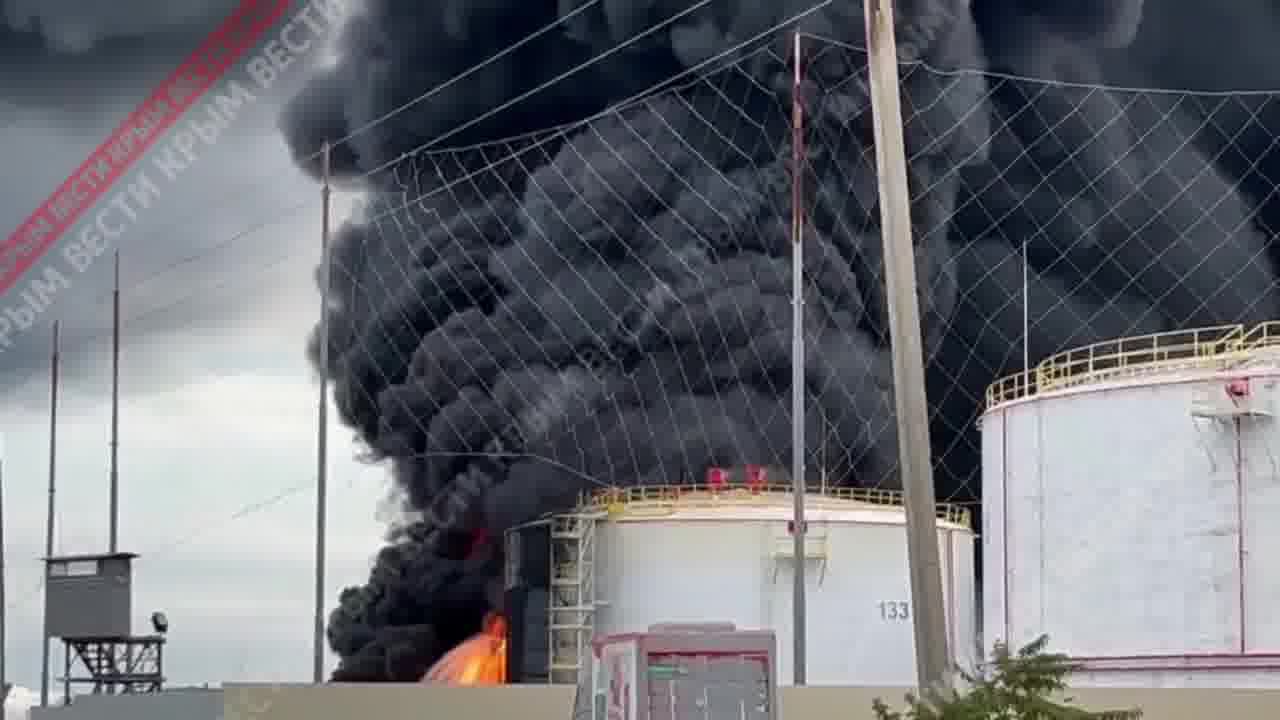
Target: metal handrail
{"x":641,"y":497}
{"x":1203,"y":348}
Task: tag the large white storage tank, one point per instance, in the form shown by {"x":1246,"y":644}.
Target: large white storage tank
{"x":694,"y":554}
{"x":1131,"y":509}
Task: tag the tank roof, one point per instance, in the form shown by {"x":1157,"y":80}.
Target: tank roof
{"x":766,"y":503}
{"x":1160,"y":356}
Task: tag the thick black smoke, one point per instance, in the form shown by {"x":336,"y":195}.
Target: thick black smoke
{"x":608,"y":303}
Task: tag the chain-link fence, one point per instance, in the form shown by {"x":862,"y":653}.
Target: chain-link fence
{"x":608,"y":303}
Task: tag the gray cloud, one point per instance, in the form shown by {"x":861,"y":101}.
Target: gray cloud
{"x":77,"y":26}
{"x":207,"y":250}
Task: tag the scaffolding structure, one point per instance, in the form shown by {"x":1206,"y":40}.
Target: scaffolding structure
{"x":129,"y":665}
{"x":572,"y":600}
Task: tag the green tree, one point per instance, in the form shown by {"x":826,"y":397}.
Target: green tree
{"x":1018,"y":687}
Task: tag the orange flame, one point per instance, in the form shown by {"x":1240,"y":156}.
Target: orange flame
{"x":480,"y":660}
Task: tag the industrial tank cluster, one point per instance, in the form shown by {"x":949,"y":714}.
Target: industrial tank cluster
{"x":1130,"y":495}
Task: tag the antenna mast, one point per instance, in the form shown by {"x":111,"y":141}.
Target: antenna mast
{"x":115,"y":410}
{"x":322,"y":427}
{"x":49,"y":517}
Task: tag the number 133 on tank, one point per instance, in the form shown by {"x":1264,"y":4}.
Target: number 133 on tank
{"x":894,"y":610}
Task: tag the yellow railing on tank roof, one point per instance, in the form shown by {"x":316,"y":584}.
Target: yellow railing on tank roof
{"x":670,"y":497}
{"x":1203,"y":348}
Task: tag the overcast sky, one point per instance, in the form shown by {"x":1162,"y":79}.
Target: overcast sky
{"x":219,"y":405}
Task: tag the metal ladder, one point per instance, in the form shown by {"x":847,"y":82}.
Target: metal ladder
{"x":572,"y":605}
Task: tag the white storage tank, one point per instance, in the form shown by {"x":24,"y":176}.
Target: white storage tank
{"x":696,"y":554}
{"x":1131,"y":509}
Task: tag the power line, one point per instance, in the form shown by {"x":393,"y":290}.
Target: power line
{"x":240,"y":190}
{"x":244,"y":511}
{"x":505,"y":52}
{"x":554,"y":132}
{"x":208,"y":250}
{"x":296,"y":207}
{"x":101,"y":333}
{"x":575,"y":70}
{"x":430,"y":143}
{"x":558,"y":22}
{"x":427,"y":95}
{"x":182,"y":300}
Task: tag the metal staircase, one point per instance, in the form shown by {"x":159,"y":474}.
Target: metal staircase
{"x":572,"y":604}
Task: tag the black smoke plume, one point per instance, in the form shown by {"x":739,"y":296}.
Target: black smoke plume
{"x":542,"y":312}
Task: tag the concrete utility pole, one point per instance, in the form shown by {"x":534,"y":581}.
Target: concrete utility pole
{"x":322,"y":428}
{"x":930,"y":623}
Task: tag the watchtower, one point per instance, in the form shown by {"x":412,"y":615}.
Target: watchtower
{"x":89,"y":606}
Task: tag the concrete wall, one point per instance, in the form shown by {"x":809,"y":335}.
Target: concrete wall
{"x":542,"y":702}
{"x":396,"y":702}
{"x":533,"y":702}
{"x":183,"y":704}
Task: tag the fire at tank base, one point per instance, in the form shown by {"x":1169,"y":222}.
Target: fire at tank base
{"x":480,"y":661}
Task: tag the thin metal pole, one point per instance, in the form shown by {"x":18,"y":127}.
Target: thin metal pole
{"x":1027,"y":308}
{"x":115,"y":410}
{"x":799,"y":628}
{"x":4,"y":646}
{"x":49,"y":517}
{"x":1026,"y":315}
{"x":908,"y":354}
{"x":322,"y":427}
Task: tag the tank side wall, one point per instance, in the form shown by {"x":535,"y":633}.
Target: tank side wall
{"x":655,"y":572}
{"x":1260,"y":492}
{"x":964,"y":613}
{"x":1123,"y":509}
{"x":995,"y":442}
{"x":1023,"y":546}
{"x":858,"y":602}
{"x":859,"y":607}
